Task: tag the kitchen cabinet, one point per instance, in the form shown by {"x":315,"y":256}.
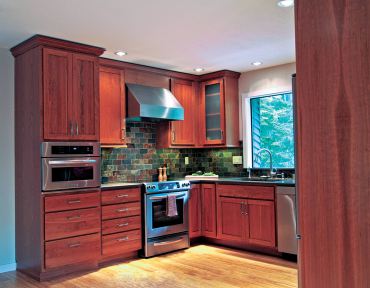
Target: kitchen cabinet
{"x":246,"y":220}
{"x":219,"y":109}
{"x":71,"y":104}
{"x":181,"y":133}
{"x":112,"y":106}
{"x":195,"y":214}
{"x":208,"y":208}
{"x":121,"y":222}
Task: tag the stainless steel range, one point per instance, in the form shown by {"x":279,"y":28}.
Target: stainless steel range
{"x":166,"y":217}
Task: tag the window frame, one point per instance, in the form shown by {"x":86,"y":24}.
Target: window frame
{"x":247,"y":123}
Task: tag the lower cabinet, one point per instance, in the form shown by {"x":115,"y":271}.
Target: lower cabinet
{"x":249,"y":221}
{"x":208,"y":209}
{"x":121,"y":222}
{"x":195,"y":211}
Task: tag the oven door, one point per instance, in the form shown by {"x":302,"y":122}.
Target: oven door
{"x":157,"y":221}
{"x":69,"y":173}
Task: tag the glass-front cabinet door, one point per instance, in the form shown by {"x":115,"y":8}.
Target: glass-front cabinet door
{"x":213,"y":109}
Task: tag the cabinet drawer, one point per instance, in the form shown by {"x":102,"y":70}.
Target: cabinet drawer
{"x":73,"y":250}
{"x":245,"y":191}
{"x":121,"y":210}
{"x":121,"y":225}
{"x":71,"y":201}
{"x":71,"y":223}
{"x":120,"y":196}
{"x":122,"y":242}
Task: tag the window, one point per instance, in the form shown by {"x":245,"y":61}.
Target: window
{"x":269,"y":125}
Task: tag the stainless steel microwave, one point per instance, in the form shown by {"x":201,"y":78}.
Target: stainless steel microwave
{"x":70,"y":165}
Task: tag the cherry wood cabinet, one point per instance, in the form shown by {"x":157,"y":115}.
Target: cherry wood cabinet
{"x":121,"y":222}
{"x":209,"y":219}
{"x":71,"y":104}
{"x":112,"y":106}
{"x":245,"y":220}
{"x":195,"y":211}
{"x":219,"y":109}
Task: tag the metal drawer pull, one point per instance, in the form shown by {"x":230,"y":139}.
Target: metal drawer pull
{"x":123,"y":239}
{"x":74,"y":201}
{"x":167,"y":242}
{"x":74,"y":217}
{"x":242,"y":207}
{"x":74,"y":245}
{"x":121,"y":195}
{"x":123,"y":210}
{"x":122,"y":224}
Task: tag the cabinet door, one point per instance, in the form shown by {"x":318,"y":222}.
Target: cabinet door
{"x":112,"y":106}
{"x":183,"y":132}
{"x":57,"y":71}
{"x":231,"y":220}
{"x":213,"y":111}
{"x":195,"y":210}
{"x":261,"y":222}
{"x":85,"y":97}
{"x":209,"y":210}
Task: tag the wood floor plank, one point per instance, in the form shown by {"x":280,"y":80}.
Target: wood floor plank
{"x":200,"y":266}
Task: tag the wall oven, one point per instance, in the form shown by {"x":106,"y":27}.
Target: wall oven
{"x":165,"y":233}
{"x":70,"y":165}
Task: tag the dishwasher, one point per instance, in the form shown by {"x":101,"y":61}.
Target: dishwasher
{"x":286,"y":219}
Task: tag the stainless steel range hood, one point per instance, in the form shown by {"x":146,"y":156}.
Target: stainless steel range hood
{"x":146,"y":103}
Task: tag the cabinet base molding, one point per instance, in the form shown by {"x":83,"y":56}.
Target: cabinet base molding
{"x":112,"y":260}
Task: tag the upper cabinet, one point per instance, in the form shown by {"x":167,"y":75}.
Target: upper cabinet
{"x":219,"y":109}
{"x":64,"y":80}
{"x":71,"y":104}
{"x":112,"y":106}
{"x":212,"y":111}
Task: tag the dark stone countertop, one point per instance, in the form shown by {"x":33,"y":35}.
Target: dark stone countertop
{"x":221,"y":180}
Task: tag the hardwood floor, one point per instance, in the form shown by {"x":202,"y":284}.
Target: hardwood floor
{"x":200,"y":266}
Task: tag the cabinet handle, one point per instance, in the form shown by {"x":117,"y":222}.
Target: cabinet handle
{"x":71,"y":128}
{"x":74,"y":201}
{"x":173,"y":135}
{"x":123,"y":133}
{"x":121,"y":195}
{"x":246,"y":209}
{"x":222,"y":134}
{"x":242,"y":208}
{"x":77,"y":129}
{"x":122,"y":224}
{"x":74,"y":217}
{"x":74,"y":245}
{"x":122,"y":210}
{"x":122,"y":239}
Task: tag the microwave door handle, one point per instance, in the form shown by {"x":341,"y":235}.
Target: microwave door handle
{"x":66,"y":162}
{"x":178,"y":195}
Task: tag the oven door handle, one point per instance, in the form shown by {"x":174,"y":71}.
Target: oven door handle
{"x":168,"y":242}
{"x":178,"y":195}
{"x":75,"y":161}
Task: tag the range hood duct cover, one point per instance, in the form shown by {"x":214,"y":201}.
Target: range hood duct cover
{"x":153,"y":104}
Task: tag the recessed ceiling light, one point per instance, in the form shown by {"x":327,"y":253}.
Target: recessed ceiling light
{"x":285,"y":3}
{"x":257,"y":63}
{"x":121,"y":53}
{"x":198,"y":69}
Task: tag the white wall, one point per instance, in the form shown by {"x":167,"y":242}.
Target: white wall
{"x":263,"y":82}
{"x":7,"y":214}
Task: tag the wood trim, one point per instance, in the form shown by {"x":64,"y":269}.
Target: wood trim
{"x":219,"y":74}
{"x":46,"y":41}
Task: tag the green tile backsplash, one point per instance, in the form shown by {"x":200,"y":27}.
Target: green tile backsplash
{"x":139,"y":162}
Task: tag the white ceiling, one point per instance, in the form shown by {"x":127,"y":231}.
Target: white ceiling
{"x":172,"y":34}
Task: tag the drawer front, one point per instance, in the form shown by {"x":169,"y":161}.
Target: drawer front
{"x":122,"y":242}
{"x":121,"y":225}
{"x":121,"y":210}
{"x":73,"y":250}
{"x":72,"y":201}
{"x":71,"y":223}
{"x":245,"y":191}
{"x":121,"y":196}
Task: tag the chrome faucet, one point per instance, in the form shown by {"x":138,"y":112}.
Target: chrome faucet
{"x":272,"y":170}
